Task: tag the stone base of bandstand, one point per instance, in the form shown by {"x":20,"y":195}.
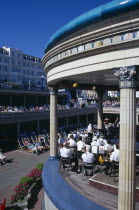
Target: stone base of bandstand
{"x":48,"y":203}
{"x":105,"y":183}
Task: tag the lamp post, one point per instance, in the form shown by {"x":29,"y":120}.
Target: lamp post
{"x":42,"y":78}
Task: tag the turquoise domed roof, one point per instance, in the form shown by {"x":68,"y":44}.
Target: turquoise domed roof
{"x":102,"y":12}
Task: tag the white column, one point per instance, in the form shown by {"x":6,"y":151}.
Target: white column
{"x":127,"y":164}
{"x":100,"y":109}
{"x":53,"y":122}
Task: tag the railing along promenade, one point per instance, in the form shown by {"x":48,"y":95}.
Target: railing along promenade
{"x":14,"y":117}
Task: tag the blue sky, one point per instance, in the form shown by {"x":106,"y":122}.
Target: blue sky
{"x":28,"y":24}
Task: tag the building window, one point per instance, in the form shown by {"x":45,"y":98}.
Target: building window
{"x":12,"y":61}
{"x":12,"y":53}
{"x":6,"y":61}
{"x":39,"y":73}
{"x":24,"y":72}
{"x":6,"y":69}
{"x":0,"y":59}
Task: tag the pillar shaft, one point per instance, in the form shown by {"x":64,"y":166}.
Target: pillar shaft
{"x":100,"y":110}
{"x":127,"y":164}
{"x":53,"y":122}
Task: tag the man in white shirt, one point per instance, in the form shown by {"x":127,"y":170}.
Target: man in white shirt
{"x":113,"y":157}
{"x":66,"y":152}
{"x":90,"y":132}
{"x":80,"y":144}
{"x":71,"y":141}
{"x":88,"y":157}
{"x":95,"y":142}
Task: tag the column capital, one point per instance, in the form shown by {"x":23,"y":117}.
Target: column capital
{"x":127,"y":76}
{"x":53,"y":89}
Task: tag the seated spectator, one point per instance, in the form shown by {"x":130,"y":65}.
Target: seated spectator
{"x":71,"y":141}
{"x":30,"y":146}
{"x":39,"y":147}
{"x":26,"y":142}
{"x":35,"y":150}
{"x":80,"y":144}
{"x":2,"y":158}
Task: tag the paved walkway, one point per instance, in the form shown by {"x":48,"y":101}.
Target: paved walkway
{"x":19,"y":163}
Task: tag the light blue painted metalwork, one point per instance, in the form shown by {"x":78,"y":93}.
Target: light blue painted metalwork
{"x":102,"y":12}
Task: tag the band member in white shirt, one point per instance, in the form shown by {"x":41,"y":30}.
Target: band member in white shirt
{"x":90,"y":132}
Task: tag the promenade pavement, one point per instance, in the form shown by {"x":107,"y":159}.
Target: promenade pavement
{"x":19,"y":163}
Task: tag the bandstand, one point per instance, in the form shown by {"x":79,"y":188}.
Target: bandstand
{"x":98,"y":50}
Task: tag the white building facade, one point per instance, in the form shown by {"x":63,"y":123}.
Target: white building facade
{"x":21,"y":69}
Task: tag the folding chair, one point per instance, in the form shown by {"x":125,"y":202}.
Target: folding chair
{"x":87,"y":167}
{"x":65,"y":161}
{"x":21,"y":145}
{"x":114,"y":169}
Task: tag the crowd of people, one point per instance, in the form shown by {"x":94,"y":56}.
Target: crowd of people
{"x":31,"y":108}
{"x":114,"y":103}
{"x":34,"y":143}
